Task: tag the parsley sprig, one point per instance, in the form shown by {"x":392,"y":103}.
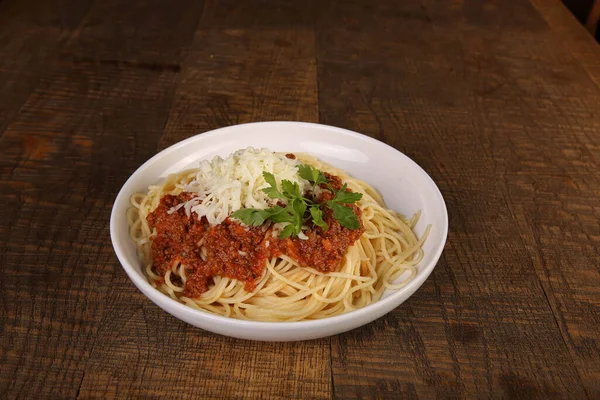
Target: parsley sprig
{"x":299,"y":208}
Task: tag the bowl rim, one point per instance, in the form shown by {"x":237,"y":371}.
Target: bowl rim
{"x":163,"y":300}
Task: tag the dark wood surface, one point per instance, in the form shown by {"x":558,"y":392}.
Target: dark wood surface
{"x":498,"y":101}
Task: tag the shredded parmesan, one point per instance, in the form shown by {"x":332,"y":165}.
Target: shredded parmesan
{"x":223,"y":186}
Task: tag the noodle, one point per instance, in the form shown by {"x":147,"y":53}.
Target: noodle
{"x":383,"y":258}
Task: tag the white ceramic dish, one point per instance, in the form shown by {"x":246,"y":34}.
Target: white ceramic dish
{"x":404,"y":185}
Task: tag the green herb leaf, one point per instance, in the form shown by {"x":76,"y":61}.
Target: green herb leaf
{"x":294,"y":213}
{"x":311,"y":174}
{"x":345,"y":215}
{"x":317,"y":217}
{"x":287,"y":231}
{"x":251,"y":216}
{"x":280,"y":214}
{"x":270,"y":179}
{"x":290,"y":189}
{"x":272,"y":191}
{"x":299,"y":207}
{"x":342,"y":196}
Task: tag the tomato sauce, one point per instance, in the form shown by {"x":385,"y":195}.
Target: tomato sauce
{"x":233,"y":250}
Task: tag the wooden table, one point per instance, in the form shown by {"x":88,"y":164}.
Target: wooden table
{"x":498,"y":101}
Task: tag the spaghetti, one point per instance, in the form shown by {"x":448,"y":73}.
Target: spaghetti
{"x":381,"y":256}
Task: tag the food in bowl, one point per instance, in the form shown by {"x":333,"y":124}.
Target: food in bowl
{"x":268,"y":236}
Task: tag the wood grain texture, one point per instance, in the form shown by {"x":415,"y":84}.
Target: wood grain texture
{"x":486,"y":115}
{"x":498,"y":101}
{"x":27,"y":44}
{"x":231,"y":74}
{"x":566,"y":30}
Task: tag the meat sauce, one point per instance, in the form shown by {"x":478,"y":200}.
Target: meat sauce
{"x":240,"y":252}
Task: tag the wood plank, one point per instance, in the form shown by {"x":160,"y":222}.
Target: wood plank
{"x":557,"y":208}
{"x":569,"y":33}
{"x":56,"y":175}
{"x":79,"y":135}
{"x":225,"y":81}
{"x":259,"y":15}
{"x":231,"y":74}
{"x":170,"y":358}
{"x":459,"y":99}
{"x":31,"y":32}
{"x":143,"y":34}
{"x":240,"y":58}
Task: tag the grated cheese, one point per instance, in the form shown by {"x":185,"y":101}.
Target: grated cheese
{"x":223,"y":186}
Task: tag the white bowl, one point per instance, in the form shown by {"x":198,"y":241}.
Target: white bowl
{"x":405,"y":186}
